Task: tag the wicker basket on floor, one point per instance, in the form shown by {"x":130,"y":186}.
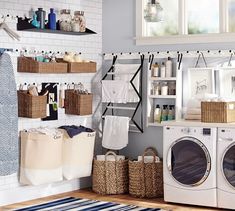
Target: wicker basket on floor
{"x":146,"y":179}
{"x":110,"y":177}
{"x":31,"y":106}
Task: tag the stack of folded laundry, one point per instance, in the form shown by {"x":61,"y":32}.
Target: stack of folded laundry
{"x":193,"y":111}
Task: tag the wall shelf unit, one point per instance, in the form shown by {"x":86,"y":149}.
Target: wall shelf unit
{"x":24,"y":25}
{"x":153,"y":100}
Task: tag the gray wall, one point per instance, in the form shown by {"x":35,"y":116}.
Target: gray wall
{"x":118,"y":34}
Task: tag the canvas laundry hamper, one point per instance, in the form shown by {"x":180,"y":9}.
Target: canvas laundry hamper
{"x":41,"y":158}
{"x":78,"y":153}
{"x":146,"y":179}
{"x":110,"y":177}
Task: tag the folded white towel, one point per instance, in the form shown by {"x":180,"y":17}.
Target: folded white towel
{"x":110,"y":157}
{"x":149,"y":159}
{"x":192,"y":117}
{"x":193,"y":103}
{"x":115,"y":134}
{"x":114,"y":91}
{"x":193,"y":111}
{"x":125,"y":72}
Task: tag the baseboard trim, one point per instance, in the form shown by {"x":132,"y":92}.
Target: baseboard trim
{"x":26,"y":193}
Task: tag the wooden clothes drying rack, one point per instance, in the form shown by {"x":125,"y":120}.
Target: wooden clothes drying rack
{"x":139,"y":106}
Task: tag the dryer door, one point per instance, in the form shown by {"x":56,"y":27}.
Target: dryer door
{"x":228,"y":165}
{"x":189,"y":161}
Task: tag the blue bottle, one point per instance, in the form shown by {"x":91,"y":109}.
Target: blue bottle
{"x":52,"y":19}
{"x":34,"y":22}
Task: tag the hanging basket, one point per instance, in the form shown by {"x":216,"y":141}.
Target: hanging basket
{"x":146,"y":179}
{"x":110,"y":177}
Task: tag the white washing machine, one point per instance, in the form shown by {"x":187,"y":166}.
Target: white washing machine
{"x":226,"y":168}
{"x":189,"y":156}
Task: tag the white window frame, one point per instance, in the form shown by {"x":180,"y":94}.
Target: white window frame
{"x":183,"y":37}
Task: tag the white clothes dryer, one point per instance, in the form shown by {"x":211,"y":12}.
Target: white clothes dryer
{"x":189,"y":156}
{"x":226,"y":168}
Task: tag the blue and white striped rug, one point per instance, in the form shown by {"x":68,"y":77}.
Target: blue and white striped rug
{"x":76,"y":204}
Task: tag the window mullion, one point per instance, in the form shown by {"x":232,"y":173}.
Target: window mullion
{"x":183,"y":28}
{"x":223,"y":16}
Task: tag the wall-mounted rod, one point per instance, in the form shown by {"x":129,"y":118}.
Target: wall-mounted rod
{"x":172,"y":54}
{"x":2,"y":50}
{"x":24,"y":50}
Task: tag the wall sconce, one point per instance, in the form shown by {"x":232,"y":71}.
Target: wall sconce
{"x":153,"y":12}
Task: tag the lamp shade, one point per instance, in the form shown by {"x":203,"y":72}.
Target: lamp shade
{"x":153,"y":12}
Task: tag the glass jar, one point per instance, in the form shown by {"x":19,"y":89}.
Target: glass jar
{"x":164,"y":89}
{"x":79,"y":22}
{"x":172,"y":88}
{"x":157,"y":89}
{"x":65,"y":20}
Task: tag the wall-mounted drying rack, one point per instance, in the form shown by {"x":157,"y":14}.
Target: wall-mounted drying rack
{"x":25,"y":25}
{"x":138,"y":126}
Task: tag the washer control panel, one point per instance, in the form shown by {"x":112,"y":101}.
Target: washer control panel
{"x":194,"y":131}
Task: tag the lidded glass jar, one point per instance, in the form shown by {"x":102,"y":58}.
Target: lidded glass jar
{"x":65,"y":20}
{"x":79,"y":22}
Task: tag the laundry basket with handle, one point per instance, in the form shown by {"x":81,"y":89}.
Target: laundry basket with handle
{"x":146,"y":179}
{"x":110,"y":177}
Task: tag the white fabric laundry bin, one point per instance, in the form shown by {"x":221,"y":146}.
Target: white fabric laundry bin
{"x":41,"y":158}
{"x":78,"y":155}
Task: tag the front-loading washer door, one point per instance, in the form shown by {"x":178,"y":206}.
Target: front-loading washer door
{"x":189,"y":161}
{"x":228,"y":165}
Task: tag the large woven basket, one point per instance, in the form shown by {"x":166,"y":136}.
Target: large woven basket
{"x":77,"y":104}
{"x":31,"y":106}
{"x":146,"y":179}
{"x":218,"y":112}
{"x":110,"y":177}
{"x":28,"y":64}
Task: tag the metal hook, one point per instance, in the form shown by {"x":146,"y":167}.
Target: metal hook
{"x":204,"y":60}
{"x":230,"y":59}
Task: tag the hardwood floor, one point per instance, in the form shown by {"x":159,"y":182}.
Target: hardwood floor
{"x":126,"y":199}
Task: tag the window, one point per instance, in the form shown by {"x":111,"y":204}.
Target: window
{"x":231,"y":15}
{"x":202,"y":19}
{"x":186,"y":21}
{"x":170,"y":24}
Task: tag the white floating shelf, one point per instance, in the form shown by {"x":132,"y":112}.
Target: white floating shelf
{"x":162,"y":96}
{"x":163,"y":79}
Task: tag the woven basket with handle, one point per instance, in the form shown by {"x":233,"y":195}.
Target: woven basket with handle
{"x":110,"y":177}
{"x":146,"y":179}
{"x":31,"y":106}
{"x":78,"y":104}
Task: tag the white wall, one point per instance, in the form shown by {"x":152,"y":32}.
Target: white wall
{"x":90,"y":46}
{"x":118,"y":36}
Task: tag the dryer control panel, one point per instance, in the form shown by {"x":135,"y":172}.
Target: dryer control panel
{"x":226,"y":134}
